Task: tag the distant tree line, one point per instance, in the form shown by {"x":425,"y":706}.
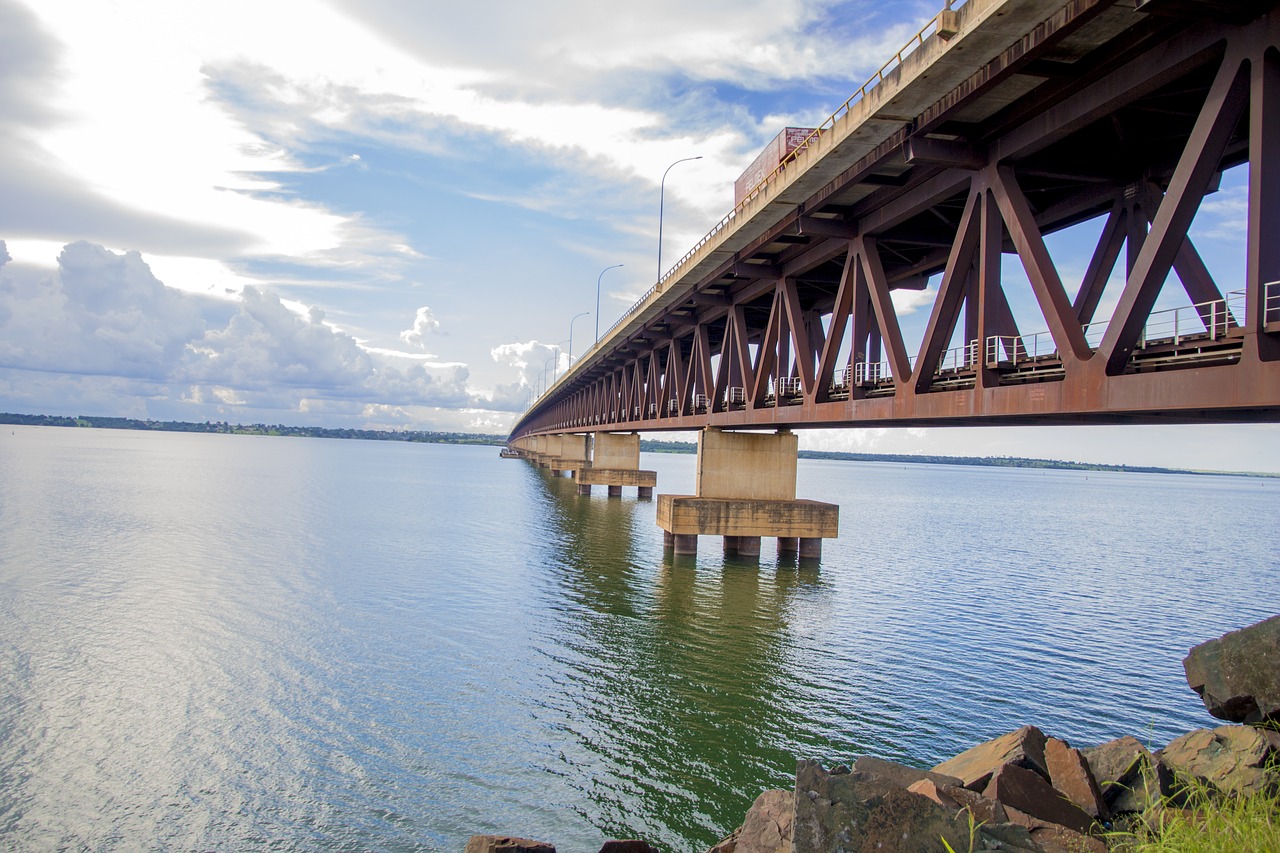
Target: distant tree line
{"x":656,"y":446}
{"x":100,"y":422}
{"x":647,"y":445}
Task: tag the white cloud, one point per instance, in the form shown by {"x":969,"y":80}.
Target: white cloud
{"x":910,"y":301}
{"x":424,"y":323}
{"x":104,"y":314}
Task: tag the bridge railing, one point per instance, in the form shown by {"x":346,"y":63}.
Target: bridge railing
{"x":930,"y":28}
{"x":1271,"y":305}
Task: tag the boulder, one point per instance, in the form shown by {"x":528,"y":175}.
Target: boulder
{"x":1128,"y":776}
{"x":1238,"y":674}
{"x":1023,"y":748}
{"x":506,"y":844}
{"x":1008,"y":837}
{"x":1052,"y":838}
{"x":900,"y":774}
{"x":766,"y":828}
{"x":954,"y":797}
{"x":1069,"y":773}
{"x":857,"y":811}
{"x":1231,"y":758}
{"x":1027,"y":792}
{"x":907,"y":822}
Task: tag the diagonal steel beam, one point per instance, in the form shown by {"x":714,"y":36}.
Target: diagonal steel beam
{"x":1200,"y":160}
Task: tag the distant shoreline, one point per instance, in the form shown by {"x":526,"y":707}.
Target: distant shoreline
{"x":647,"y":445}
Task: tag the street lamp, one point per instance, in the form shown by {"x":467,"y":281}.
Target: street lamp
{"x":662,"y":187}
{"x":575,"y":316}
{"x":546,"y":365}
{"x":602,"y":272}
{"x":555,"y":368}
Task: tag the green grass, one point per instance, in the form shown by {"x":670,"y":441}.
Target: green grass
{"x":1209,"y":822}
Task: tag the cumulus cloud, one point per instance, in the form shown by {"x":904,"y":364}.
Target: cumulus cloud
{"x":534,"y":363}
{"x":910,"y":301}
{"x":103,"y":314}
{"x":100,"y":313}
{"x":424,"y":323}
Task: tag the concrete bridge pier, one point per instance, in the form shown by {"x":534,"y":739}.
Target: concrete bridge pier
{"x":746,"y":489}
{"x":571,"y":453}
{"x":615,"y":462}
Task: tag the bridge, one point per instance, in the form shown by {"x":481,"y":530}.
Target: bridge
{"x":1002,"y":122}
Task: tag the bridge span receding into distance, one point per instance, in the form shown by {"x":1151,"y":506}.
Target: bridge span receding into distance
{"x":1002,"y":122}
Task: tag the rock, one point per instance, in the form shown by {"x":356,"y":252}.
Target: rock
{"x":1010,"y":837}
{"x":1069,"y":773}
{"x":1058,"y":839}
{"x":1238,"y":674}
{"x":630,"y":845}
{"x":766,"y":828}
{"x":1024,"y":748}
{"x":1231,"y":758}
{"x":900,"y":774}
{"x":907,"y":823}
{"x":956,"y":798}
{"x":861,"y":811}
{"x":1021,"y":789}
{"x":506,"y":844}
{"x":1127,"y":774}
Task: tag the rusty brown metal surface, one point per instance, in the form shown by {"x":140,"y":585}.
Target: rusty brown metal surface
{"x":1096,"y":112}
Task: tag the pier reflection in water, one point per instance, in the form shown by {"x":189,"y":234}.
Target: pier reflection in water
{"x":666,"y":672}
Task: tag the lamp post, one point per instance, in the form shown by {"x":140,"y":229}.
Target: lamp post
{"x":546,"y":365}
{"x":555,"y":368}
{"x":662,"y":188}
{"x":602,"y":272}
{"x":575,"y":316}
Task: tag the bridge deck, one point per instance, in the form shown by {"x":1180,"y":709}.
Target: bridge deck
{"x":1033,"y":116}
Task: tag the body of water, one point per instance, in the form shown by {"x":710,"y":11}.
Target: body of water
{"x":245,"y":643}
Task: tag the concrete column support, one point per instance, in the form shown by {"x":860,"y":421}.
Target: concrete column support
{"x":746,"y":489}
{"x":584,"y":489}
{"x":684,"y":544}
{"x":742,"y":546}
{"x":620,"y":450}
{"x":615,"y":462}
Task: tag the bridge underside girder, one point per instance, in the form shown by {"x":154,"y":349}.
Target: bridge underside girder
{"x":1100,"y":113}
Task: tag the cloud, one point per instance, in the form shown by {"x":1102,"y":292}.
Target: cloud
{"x":1224,"y":215}
{"x":103,"y":314}
{"x":424,"y":323}
{"x":535,"y":364}
{"x":910,"y":301}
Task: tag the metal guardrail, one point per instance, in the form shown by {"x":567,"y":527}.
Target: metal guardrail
{"x":1271,"y":303}
{"x":929,"y":29}
{"x":1170,"y":325}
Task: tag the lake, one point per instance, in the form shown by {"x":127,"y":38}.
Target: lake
{"x":214,"y":642}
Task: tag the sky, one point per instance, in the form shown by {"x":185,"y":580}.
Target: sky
{"x":394,"y":215}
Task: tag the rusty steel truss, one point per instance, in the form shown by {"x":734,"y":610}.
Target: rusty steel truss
{"x":1100,"y":112}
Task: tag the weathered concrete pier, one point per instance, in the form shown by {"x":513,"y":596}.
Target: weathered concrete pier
{"x":593,"y":459}
{"x":745,"y":490}
{"x":615,"y":462}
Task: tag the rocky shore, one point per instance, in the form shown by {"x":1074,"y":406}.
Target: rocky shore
{"x":1025,"y":790}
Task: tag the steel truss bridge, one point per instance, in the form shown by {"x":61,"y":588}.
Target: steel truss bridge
{"x":1004,"y":121}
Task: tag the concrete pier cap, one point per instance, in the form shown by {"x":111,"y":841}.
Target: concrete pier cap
{"x":615,"y":462}
{"x":745,"y":489}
